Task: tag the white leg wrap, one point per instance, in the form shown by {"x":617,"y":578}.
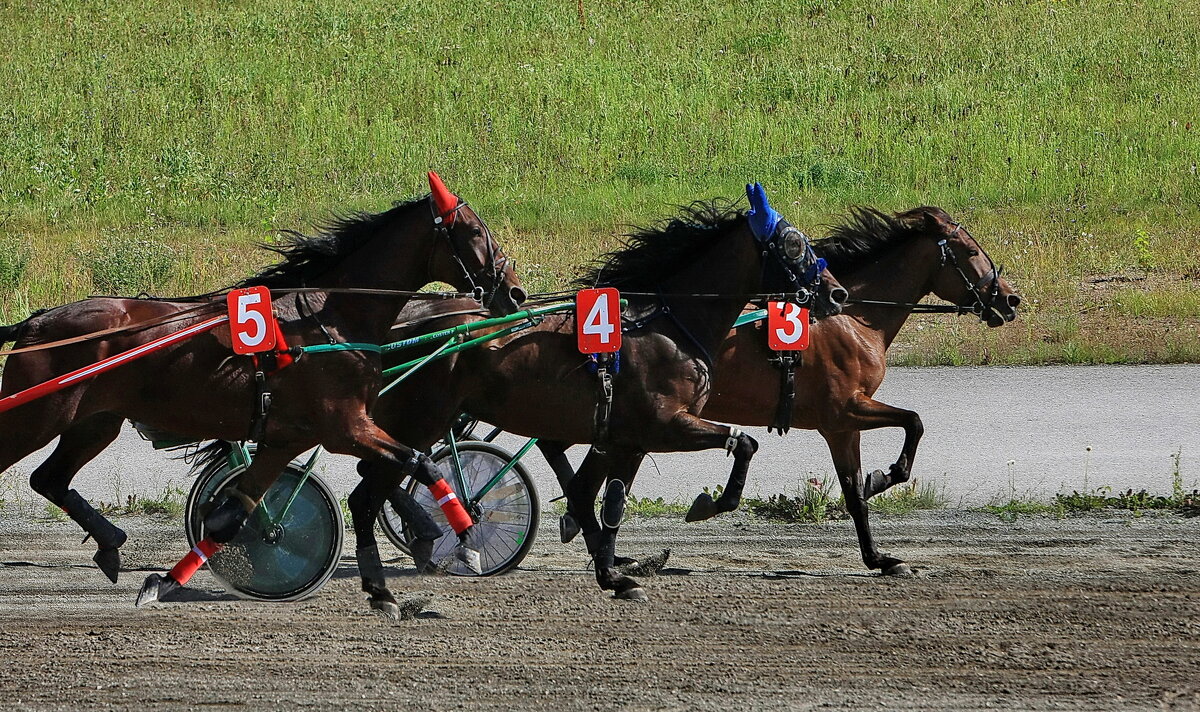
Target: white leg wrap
{"x":732,"y":441}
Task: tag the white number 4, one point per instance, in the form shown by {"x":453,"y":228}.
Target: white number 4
{"x":598,"y":322}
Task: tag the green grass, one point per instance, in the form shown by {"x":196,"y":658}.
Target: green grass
{"x":1063,"y":132}
{"x":168,"y":503}
{"x":910,"y":497}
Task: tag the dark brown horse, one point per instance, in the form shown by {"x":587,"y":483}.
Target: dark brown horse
{"x":199,"y":389}
{"x":536,"y":382}
{"x":889,"y":263}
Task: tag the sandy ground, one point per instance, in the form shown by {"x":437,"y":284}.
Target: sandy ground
{"x":1095,"y":613}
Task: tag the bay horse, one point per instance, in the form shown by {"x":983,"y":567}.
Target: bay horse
{"x":686,"y":280}
{"x":199,"y":389}
{"x":889,"y":263}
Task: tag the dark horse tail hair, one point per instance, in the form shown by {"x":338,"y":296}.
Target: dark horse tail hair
{"x":12,"y":332}
{"x":210,"y":458}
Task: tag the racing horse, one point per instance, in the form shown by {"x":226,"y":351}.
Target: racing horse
{"x":362,"y":265}
{"x":686,"y":280}
{"x":889,"y":263}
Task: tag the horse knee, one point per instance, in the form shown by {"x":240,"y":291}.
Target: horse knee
{"x":915,"y":427}
{"x":47,"y":487}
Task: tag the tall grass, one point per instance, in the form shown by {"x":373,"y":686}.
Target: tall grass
{"x":1065,"y":132}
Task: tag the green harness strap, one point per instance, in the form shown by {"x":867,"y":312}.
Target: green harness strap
{"x":326,"y":348}
{"x":749,"y":317}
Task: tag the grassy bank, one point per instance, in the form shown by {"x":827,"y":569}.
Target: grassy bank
{"x":148,"y":146}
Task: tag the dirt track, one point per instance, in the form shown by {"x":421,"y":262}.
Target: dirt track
{"x":1091,"y":613}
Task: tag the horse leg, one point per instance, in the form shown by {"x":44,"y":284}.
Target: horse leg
{"x":619,"y":468}
{"x":709,"y":435}
{"x":556,"y":455}
{"x":77,"y":446}
{"x":365,"y":502}
{"x":866,"y":413}
{"x":425,"y":531}
{"x":847,"y":461}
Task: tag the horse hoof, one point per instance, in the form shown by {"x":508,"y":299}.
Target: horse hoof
{"x":897,"y":569}
{"x":637,"y":593}
{"x":568,"y":528}
{"x":109,"y":561}
{"x":470,"y":558}
{"x":155,"y":588}
{"x":388,"y":609}
{"x":702,"y":508}
{"x":422,"y":554}
{"x":874,"y":483}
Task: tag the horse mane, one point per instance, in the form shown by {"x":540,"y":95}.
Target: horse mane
{"x":866,"y":233}
{"x":307,"y":257}
{"x":668,"y":245}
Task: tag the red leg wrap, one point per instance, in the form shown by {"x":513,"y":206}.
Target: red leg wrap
{"x":453,"y":509}
{"x":190,"y":564}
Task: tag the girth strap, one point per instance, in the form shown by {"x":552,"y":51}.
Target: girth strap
{"x":786,"y":362}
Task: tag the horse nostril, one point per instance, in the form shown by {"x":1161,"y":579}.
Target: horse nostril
{"x":1014,"y":300}
{"x":518,"y":295}
{"x":839,"y":295}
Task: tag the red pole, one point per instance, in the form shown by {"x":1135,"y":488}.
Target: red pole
{"x":89,"y":372}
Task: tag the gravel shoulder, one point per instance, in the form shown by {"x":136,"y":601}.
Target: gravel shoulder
{"x":1096,"y":613}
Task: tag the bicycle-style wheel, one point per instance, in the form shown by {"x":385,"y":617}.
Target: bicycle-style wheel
{"x":506,"y":516}
{"x":287,"y":560}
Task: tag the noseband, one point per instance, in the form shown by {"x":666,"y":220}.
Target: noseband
{"x":497,"y":261}
{"x":990,"y":279}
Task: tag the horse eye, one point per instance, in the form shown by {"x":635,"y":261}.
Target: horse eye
{"x":477,"y":230}
{"x":974,"y":253}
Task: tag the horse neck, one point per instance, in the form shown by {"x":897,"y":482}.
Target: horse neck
{"x":398,"y":258}
{"x":731,"y":266}
{"x":902,"y":275}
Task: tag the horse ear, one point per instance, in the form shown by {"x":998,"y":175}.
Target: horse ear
{"x":443,"y":200}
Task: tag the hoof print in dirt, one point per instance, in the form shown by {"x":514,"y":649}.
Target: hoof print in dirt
{"x":646,"y":565}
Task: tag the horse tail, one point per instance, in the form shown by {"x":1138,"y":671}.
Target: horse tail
{"x":12,"y":332}
{"x":211,"y":458}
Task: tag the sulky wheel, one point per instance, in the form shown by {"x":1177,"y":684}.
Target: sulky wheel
{"x":286,"y":551}
{"x":506,"y":516}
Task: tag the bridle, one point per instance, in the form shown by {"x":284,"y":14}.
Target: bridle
{"x":989,"y":279}
{"x":497,"y":260}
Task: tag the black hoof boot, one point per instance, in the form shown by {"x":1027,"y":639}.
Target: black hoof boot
{"x":874,"y":483}
{"x":156,"y":588}
{"x":703,"y":508}
{"x":109,"y":562}
{"x":568,"y":528}
{"x":422,"y":554}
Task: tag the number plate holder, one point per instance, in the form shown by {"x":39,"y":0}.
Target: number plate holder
{"x":251,"y":320}
{"x":598,"y":320}
{"x":787,"y":326}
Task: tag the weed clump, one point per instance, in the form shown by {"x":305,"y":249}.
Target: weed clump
{"x":14,"y":258}
{"x":128,"y":266}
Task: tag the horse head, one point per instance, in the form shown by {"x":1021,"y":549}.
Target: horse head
{"x":968,"y":277}
{"x":469,"y":257}
{"x":791,"y":266}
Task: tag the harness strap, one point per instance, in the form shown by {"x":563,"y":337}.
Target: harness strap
{"x":602,"y":418}
{"x":351,"y":346}
{"x":156,"y":321}
{"x":786,"y":362}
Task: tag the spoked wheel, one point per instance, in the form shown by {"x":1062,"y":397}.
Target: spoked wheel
{"x":284,"y":560}
{"x":506,"y":516}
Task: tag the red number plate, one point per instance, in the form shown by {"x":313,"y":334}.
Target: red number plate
{"x":787,"y":326}
{"x":251,"y":321}
{"x":598,"y":320}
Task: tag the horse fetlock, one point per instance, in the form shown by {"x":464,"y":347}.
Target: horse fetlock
{"x":106,"y":534}
{"x":226,"y":519}
{"x":370,"y":568}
